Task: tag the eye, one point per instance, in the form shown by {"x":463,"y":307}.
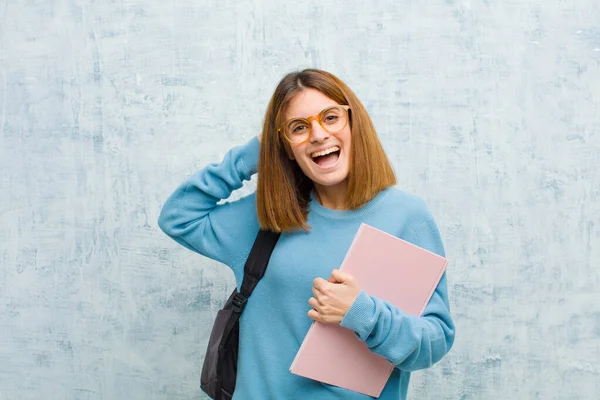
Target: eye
{"x":331,"y":116}
{"x":298,"y":129}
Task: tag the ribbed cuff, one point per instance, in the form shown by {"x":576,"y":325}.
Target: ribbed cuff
{"x":361,"y":316}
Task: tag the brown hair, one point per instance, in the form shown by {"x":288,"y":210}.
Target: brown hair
{"x":283,"y":191}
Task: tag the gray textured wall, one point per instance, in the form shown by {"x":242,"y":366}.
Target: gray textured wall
{"x":489,"y":111}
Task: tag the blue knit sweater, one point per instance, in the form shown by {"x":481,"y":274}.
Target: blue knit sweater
{"x":275,"y":320}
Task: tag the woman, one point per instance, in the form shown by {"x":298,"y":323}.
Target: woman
{"x":321,"y":173}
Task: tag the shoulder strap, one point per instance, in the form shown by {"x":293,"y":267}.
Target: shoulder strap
{"x":255,"y":267}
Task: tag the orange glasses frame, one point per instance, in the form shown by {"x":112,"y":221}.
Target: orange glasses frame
{"x":309,"y":120}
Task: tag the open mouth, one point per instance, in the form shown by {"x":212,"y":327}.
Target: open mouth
{"x":326,"y":158}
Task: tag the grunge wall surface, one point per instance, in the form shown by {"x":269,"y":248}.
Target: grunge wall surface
{"x":488,"y":110}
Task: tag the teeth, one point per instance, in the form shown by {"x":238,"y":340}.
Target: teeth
{"x":324,"y":152}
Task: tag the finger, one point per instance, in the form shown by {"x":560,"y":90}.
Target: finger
{"x":312,"y":314}
{"x":320,"y":283}
{"x":324,"y":319}
{"x":340,"y":276}
{"x":314,"y":303}
{"x":332,"y":279}
{"x":321,"y":298}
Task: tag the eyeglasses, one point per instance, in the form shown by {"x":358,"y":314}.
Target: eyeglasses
{"x":332,"y":119}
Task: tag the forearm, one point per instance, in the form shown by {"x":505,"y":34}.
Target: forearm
{"x":191,"y":215}
{"x":407,"y":341}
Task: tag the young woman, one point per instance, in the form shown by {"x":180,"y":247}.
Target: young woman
{"x":321,"y":173}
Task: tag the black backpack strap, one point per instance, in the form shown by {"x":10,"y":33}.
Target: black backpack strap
{"x":255,"y":267}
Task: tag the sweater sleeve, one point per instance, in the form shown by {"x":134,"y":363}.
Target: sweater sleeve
{"x":410,"y":343}
{"x":193,"y":218}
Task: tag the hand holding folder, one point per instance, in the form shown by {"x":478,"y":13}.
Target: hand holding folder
{"x":333,"y":298}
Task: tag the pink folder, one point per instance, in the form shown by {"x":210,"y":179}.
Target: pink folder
{"x":386,"y":267}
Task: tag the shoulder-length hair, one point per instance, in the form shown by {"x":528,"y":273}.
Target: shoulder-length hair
{"x":283,"y":191}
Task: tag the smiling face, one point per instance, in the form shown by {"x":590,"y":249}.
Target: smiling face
{"x":325,"y":157}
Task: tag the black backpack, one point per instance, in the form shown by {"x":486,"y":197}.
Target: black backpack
{"x":220,"y":363}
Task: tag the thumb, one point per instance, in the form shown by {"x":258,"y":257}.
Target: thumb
{"x":338,"y":276}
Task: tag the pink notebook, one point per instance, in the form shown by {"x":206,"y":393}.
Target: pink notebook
{"x":386,"y":267}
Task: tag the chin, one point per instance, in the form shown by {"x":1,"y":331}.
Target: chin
{"x":329,"y":181}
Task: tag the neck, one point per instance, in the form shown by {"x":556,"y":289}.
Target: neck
{"x":332,"y":197}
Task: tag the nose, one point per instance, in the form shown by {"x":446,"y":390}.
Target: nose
{"x":318,"y":134}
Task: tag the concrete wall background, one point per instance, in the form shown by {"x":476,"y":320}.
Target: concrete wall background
{"x":489,"y":111}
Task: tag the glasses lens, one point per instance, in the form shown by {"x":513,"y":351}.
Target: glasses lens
{"x":334,"y":119}
{"x":297,"y":131}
